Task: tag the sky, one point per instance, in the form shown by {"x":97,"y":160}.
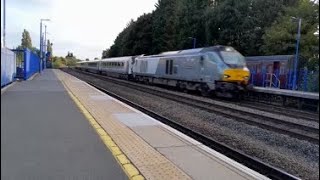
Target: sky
{"x":83,"y":27}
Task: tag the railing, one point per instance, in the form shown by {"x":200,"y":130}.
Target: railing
{"x":28,"y":63}
{"x":272,"y":80}
{"x":307,"y":80}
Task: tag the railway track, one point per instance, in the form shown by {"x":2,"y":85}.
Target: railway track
{"x":290,"y":112}
{"x":251,"y":162}
{"x":278,"y":125}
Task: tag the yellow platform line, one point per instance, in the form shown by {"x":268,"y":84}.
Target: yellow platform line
{"x":130,"y":170}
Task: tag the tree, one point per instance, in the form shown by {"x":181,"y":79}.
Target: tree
{"x":26,"y":40}
{"x":164,"y":26}
{"x":49,"y":47}
{"x":173,"y":24}
{"x":58,"y":62}
{"x":105,"y":53}
{"x":141,"y":36}
{"x":70,"y":59}
{"x":69,"y":55}
{"x":280,"y":38}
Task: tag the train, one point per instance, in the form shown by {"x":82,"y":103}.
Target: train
{"x":219,"y":70}
{"x":273,"y":71}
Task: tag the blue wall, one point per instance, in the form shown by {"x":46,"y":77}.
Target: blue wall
{"x":31,"y":63}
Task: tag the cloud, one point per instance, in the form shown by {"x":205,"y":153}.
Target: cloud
{"x":82,"y":27}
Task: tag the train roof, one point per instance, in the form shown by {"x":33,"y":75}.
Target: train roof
{"x":80,"y":62}
{"x":192,"y":51}
{"x":125,"y":58}
{"x":270,"y":58}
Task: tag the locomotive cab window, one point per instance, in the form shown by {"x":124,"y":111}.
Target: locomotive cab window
{"x":169,"y":66}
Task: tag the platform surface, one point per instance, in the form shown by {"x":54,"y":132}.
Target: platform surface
{"x":56,"y":126}
{"x":45,"y":136}
{"x":156,"y":150}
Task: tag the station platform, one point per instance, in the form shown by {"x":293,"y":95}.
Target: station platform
{"x":289,"y":93}
{"x":59,"y":127}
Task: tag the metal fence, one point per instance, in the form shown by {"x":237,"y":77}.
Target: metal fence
{"x":31,"y":63}
{"x":306,"y":80}
{"x":8,"y":66}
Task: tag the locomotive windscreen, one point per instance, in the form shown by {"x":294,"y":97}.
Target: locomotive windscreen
{"x":233,"y":58}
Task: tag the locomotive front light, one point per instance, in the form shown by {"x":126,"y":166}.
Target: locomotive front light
{"x":246,"y":78}
{"x":226,"y":76}
{"x":246,"y":69}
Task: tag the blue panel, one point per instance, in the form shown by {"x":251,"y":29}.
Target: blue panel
{"x":31,"y":63}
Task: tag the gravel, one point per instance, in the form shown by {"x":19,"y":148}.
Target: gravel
{"x":296,"y":157}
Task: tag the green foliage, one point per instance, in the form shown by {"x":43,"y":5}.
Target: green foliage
{"x":254,"y":27}
{"x":67,"y":61}
{"x":105,"y":53}
{"x":70,"y":60}
{"x":49,"y":47}
{"x":191,"y":23}
{"x":26,"y":40}
{"x":58,"y":63}
{"x":164,"y":26}
{"x":313,"y":81}
{"x":280,"y":38}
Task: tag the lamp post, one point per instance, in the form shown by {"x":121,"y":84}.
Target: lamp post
{"x":41,"y":44}
{"x":45,"y":45}
{"x":4,"y":23}
{"x":294,"y":82}
{"x":194,"y":41}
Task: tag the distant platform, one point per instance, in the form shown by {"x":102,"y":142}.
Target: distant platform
{"x":289,"y":93}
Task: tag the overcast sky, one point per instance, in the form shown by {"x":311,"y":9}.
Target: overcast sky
{"x":84,"y":27}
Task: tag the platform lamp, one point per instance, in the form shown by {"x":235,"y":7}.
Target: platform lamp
{"x":41,"y":45}
{"x":294,"y":82}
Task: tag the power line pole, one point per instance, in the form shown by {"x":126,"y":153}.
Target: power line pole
{"x":40,"y":63}
{"x":296,"y":56}
{"x":4,"y":23}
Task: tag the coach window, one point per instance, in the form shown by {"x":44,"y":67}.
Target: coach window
{"x":167,"y":66}
{"x":171,"y":66}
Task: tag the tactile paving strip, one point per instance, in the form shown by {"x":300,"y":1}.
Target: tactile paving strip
{"x":150,"y":162}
